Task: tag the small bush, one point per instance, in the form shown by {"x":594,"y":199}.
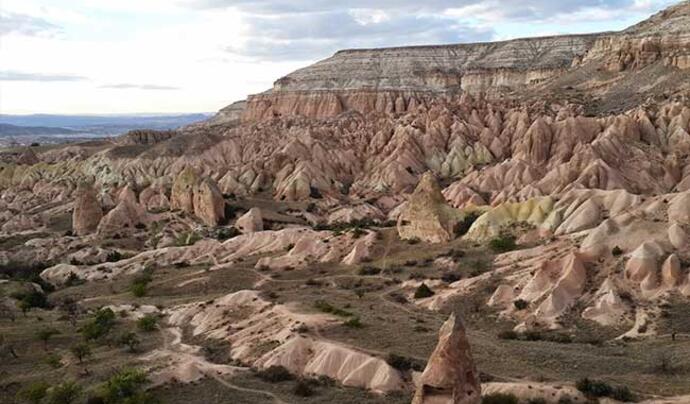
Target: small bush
{"x":326,"y":307}
{"x":509,"y":335}
{"x":100,"y":325}
{"x":302,"y":389}
{"x":148,"y":323}
{"x":45,"y":334}
{"x":34,"y":393}
{"x":275,"y":374}
{"x":81,"y":351}
{"x":113,"y":256}
{"x":64,"y":393}
{"x":226,"y":233}
{"x":464,"y":225}
{"x":450,"y":277}
{"x":500,"y":398}
{"x":127,"y":386}
{"x":413,"y":241}
{"x":53,"y":360}
{"x":354,"y":322}
{"x":503,"y":244}
{"x":423,"y":291}
{"x":369,"y":271}
{"x":130,"y":340}
{"x":598,"y":388}
{"x":616,"y":251}
{"x":521,"y":304}
{"x":404,"y":363}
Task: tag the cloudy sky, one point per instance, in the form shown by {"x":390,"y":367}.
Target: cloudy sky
{"x":144,"y":56}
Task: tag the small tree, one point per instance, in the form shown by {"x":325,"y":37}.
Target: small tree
{"x":127,"y":386}
{"x":129,"y":340}
{"x":81,"y":351}
{"x":148,"y":323}
{"x":34,"y":393}
{"x":64,"y":393}
{"x":45,"y":334}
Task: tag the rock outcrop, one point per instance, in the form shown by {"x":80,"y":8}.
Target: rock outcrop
{"x":87,"y":210}
{"x":427,"y":216}
{"x":198,"y":196}
{"x":250,"y":222}
{"x":450,"y":376}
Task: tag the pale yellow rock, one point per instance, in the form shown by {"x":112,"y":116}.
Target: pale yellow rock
{"x":426,"y":215}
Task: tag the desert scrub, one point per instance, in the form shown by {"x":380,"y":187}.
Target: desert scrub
{"x":597,"y":388}
{"x":326,"y":307}
{"x":148,"y":323}
{"x":500,"y":398}
{"x":274,"y":374}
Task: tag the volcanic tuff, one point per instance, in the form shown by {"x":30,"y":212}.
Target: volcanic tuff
{"x":562,"y":165}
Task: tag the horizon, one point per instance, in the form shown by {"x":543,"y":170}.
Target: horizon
{"x":198,"y":56}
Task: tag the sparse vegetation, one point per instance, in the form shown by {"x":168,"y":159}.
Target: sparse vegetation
{"x":33,"y":393}
{"x":81,"y":351}
{"x":354,"y":322}
{"x":500,"y":398}
{"x":521,"y":304}
{"x":100,"y":325}
{"x":404,"y":363}
{"x":148,"y":323}
{"x":503,"y":244}
{"x":597,"y":388}
{"x":127,"y":386}
{"x":326,"y":307}
{"x":275,"y":374}
{"x":616,"y":251}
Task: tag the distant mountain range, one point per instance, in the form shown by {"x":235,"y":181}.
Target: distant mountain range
{"x":94,"y":125}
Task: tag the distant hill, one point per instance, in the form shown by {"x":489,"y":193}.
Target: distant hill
{"x":103,"y":124}
{"x":15,"y":130}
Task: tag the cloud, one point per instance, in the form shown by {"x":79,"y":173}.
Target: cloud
{"x":128,"y":86}
{"x":312,"y":29}
{"x":13,"y":75}
{"x":24,"y":24}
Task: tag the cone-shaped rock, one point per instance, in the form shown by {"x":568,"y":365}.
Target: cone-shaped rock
{"x":450,"y":376}
{"x":182,"y":195}
{"x":427,"y":216}
{"x":209,"y":205}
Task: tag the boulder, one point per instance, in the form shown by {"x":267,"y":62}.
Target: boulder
{"x":426,"y":215}
{"x":450,"y":376}
{"x":127,"y":215}
{"x":87,"y":210}
{"x":251,"y":221}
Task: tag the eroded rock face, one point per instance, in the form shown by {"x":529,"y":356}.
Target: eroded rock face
{"x":126,"y":216}
{"x":251,"y":221}
{"x":209,"y":205}
{"x":198,"y":196}
{"x":87,"y":210}
{"x":450,"y":376}
{"x":427,"y":216}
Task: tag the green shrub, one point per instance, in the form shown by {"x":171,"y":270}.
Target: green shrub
{"x":187,"y":239}
{"x":508,"y":334}
{"x":521,"y":304}
{"x":45,"y":334}
{"x":326,"y":307}
{"x":354,"y":322}
{"x":127,"y":386}
{"x":464,"y":225}
{"x":275,"y":374}
{"x":34,"y":393}
{"x":368,"y":271}
{"x":616,"y":251}
{"x":100,"y":325}
{"x":148,"y":323}
{"x":423,"y":291}
{"x":404,"y":363}
{"x":31,"y":299}
{"x":81,"y":351}
{"x":138,"y":289}
{"x":503,"y":244}
{"x":64,"y":393}
{"x":130,"y":340}
{"x":302,"y":389}
{"x":598,"y":388}
{"x":114,"y":256}
{"x":500,"y":398}
{"x":53,"y":360}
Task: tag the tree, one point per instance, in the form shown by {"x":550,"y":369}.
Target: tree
{"x":81,"y":351}
{"x":46,"y":334}
{"x":127,"y":386}
{"x":148,"y":323}
{"x":130,"y":340}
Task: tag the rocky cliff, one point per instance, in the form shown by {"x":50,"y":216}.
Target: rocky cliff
{"x":395,"y":80}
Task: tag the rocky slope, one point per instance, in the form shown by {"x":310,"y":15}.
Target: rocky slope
{"x":578,"y":190}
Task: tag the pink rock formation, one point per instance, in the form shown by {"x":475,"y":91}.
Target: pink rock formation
{"x":450,"y":376}
{"x":251,"y":221}
{"x":87,"y":210}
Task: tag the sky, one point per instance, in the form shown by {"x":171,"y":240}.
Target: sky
{"x":175,"y":56}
